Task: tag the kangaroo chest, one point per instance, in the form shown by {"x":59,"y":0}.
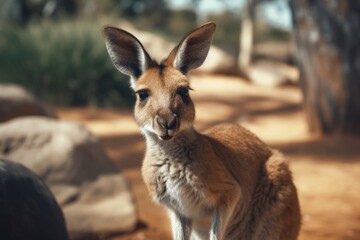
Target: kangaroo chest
{"x":176,"y":183}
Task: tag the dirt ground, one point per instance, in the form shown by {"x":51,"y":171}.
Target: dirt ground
{"x":326,"y":170}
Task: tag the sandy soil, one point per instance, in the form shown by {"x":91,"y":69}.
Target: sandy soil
{"x":326,"y":170}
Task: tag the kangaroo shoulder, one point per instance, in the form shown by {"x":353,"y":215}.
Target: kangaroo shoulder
{"x":237,"y":137}
{"x":225,"y":128}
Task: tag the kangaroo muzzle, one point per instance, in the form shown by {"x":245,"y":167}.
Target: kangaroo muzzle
{"x":166,"y":126}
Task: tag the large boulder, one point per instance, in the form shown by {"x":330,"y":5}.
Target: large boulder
{"x":15,"y":101}
{"x":28,"y":209}
{"x":104,"y":207}
{"x":272,"y":74}
{"x":57,"y":151}
{"x":95,"y":197}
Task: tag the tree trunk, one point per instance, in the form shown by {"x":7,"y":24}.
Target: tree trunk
{"x":327,"y":36}
{"x":247,"y":36}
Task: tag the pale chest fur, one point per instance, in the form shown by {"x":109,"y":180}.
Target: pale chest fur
{"x":175,"y":181}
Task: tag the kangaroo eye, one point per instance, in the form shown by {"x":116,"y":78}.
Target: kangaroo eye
{"x":143,"y":94}
{"x":183,"y":91}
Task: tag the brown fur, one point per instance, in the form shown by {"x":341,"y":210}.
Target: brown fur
{"x":222,"y":184}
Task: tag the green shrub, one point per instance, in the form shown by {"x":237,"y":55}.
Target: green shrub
{"x":64,"y":63}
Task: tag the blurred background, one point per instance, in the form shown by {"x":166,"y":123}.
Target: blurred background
{"x":58,"y":45}
{"x":286,"y":69}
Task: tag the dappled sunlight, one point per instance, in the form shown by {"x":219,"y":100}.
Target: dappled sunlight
{"x":265,"y":111}
{"x":279,"y":129}
{"x":102,"y":122}
{"x":113,"y":127}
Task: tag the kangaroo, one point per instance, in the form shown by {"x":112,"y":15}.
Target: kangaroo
{"x":224,"y":183}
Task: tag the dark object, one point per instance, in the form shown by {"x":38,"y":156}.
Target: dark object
{"x":327,"y":35}
{"x":28,"y":209}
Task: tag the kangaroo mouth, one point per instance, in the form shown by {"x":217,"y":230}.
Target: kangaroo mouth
{"x":165,"y":137}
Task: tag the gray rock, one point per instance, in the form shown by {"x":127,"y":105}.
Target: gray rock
{"x":101,"y":209}
{"x":57,"y":151}
{"x":94,"y":196}
{"x":219,"y":61}
{"x":272,"y":74}
{"x":28,"y":210}
{"x":15,"y":101}
{"x":65,"y":194}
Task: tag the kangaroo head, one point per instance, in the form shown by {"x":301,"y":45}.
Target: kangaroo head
{"x":163,"y":105}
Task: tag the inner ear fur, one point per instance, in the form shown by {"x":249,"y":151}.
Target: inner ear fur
{"x":192,"y":49}
{"x":126,"y":52}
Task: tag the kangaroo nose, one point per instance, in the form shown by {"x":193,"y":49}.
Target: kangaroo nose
{"x":168,"y":124}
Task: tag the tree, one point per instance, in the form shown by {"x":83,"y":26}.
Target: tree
{"x":327,"y":36}
{"x":247,"y":34}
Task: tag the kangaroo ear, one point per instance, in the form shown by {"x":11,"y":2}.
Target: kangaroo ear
{"x":126,"y":52}
{"x":193,"y":49}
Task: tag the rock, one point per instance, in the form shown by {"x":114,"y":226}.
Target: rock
{"x":57,"y":151}
{"x":94,"y":196}
{"x":15,"y":101}
{"x":104,"y":207}
{"x":219,"y":61}
{"x":28,"y":209}
{"x":272,"y":74}
{"x":65,"y":194}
